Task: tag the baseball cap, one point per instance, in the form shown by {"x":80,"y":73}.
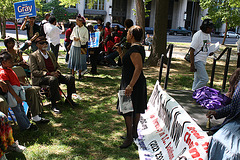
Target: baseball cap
{"x":207,"y":23}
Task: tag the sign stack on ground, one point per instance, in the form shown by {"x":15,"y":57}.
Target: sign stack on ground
{"x":167,"y":132}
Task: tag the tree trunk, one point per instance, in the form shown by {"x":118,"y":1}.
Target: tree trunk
{"x":3,"y":31}
{"x":140,"y":13}
{"x":160,"y":33}
{"x":225,"y":35}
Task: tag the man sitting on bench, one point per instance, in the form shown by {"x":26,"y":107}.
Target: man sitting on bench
{"x":45,"y":71}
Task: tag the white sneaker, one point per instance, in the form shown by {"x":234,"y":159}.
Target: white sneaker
{"x":16,"y":147}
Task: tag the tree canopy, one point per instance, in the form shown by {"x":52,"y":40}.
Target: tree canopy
{"x":223,"y":10}
{"x":58,"y":10}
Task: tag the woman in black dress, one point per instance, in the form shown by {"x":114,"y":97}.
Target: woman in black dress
{"x":133,"y":82}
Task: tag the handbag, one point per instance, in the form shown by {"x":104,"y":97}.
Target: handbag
{"x":83,"y":47}
{"x":187,"y":56}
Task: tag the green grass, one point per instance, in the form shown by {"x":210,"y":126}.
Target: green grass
{"x":93,"y":129}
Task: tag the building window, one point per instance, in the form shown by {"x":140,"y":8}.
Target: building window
{"x":97,"y":5}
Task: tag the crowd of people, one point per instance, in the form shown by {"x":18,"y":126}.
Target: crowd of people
{"x":44,"y":70}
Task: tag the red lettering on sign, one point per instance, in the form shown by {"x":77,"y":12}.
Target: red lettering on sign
{"x":152,"y":116}
{"x":205,"y":146}
{"x":170,"y":151}
{"x":188,"y":140}
{"x":161,"y":134}
{"x":195,"y":133}
{"x":164,"y":139}
{"x":194,"y":152}
{"x":159,"y":130}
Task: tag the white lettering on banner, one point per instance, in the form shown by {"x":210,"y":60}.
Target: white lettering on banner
{"x":24,"y":9}
{"x":166,"y":131}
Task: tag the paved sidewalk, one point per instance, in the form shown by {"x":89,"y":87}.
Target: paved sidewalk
{"x":178,"y":51}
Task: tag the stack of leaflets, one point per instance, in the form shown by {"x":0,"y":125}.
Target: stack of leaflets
{"x":125,"y":102}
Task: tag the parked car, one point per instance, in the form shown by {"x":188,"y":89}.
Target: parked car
{"x":230,"y":34}
{"x":180,"y":30}
{"x":11,"y":25}
{"x":93,"y":22}
{"x":121,"y":26}
{"x":149,"y":30}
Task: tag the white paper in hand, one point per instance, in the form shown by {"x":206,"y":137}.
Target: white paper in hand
{"x":125,"y":102}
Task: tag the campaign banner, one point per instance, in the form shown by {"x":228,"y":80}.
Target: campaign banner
{"x":25,"y":8}
{"x":94,"y":40}
{"x":167,"y":132}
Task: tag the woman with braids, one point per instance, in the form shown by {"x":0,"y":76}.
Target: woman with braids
{"x":133,"y":82}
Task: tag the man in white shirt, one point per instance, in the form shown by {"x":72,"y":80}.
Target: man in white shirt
{"x":199,"y":52}
{"x":53,"y":35}
{"x":44,"y":24}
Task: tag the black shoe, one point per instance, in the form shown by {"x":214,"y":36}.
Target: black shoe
{"x":55,"y":110}
{"x":43,"y":120}
{"x":32,"y":128}
{"x":71,"y":101}
{"x":127,"y":143}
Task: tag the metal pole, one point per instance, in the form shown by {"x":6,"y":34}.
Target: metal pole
{"x":161,"y":67}
{"x":168,"y":66}
{"x":213,"y":73}
{"x":16,"y":28}
{"x":226,"y":69}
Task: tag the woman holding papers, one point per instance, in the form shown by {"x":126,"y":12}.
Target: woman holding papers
{"x":133,"y":81}
{"x":199,"y":51}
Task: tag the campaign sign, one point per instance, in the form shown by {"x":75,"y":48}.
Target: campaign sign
{"x":23,"y":9}
{"x":167,"y":132}
{"x":94,"y":40}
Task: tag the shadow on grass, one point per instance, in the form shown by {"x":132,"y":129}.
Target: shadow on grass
{"x":92,"y":130}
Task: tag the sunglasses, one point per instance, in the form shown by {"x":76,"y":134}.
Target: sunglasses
{"x":45,"y":42}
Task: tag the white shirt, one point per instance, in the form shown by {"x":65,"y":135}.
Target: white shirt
{"x":53,"y":34}
{"x":238,"y":46}
{"x":44,"y":55}
{"x":79,"y":32}
{"x":201,"y":41}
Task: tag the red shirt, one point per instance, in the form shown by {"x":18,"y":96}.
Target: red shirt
{"x":9,"y":75}
{"x":107,"y":32}
{"x":116,"y":39}
{"x":110,"y":45}
{"x":67,"y":34}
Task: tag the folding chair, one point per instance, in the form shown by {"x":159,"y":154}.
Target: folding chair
{"x":22,"y":76}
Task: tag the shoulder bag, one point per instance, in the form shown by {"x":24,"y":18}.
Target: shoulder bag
{"x":187,"y":56}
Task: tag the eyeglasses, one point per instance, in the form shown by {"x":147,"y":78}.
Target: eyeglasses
{"x":45,"y":42}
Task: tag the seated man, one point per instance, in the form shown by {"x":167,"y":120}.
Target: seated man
{"x":45,"y":71}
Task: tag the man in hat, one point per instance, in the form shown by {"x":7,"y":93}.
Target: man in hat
{"x":199,"y":52}
{"x":45,"y":71}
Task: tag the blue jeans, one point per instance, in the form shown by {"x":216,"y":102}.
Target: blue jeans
{"x":200,"y":76}
{"x":110,"y":58}
{"x":66,"y":47}
{"x":21,"y":117}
